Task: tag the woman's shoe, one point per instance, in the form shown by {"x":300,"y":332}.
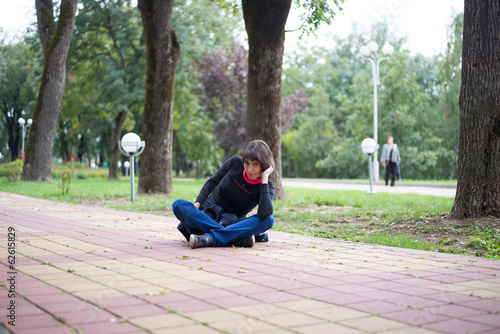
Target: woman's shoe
{"x":197,"y":241}
{"x":263,"y":237}
{"x":245,"y":242}
{"x":184,"y":231}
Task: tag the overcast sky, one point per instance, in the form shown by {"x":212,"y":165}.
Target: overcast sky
{"x":425,"y":22}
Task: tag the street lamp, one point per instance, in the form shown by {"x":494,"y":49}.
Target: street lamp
{"x":366,"y":51}
{"x":131,"y":146}
{"x":369,"y":147}
{"x":23,"y":124}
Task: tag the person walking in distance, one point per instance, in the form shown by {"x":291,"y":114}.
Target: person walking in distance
{"x":390,"y":160}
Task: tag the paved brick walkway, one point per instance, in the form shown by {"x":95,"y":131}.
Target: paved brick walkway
{"x":103,"y":271}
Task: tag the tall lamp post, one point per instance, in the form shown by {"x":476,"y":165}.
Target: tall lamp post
{"x":22,"y":123}
{"x":131,"y":146}
{"x":369,"y":147}
{"x":366,"y":51}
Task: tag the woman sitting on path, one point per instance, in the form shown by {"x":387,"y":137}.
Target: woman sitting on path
{"x":218,"y":216}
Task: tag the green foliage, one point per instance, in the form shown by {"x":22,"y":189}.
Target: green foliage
{"x":309,"y":143}
{"x":199,"y":148}
{"x":81,"y":176}
{"x":450,"y":81}
{"x":402,"y":241}
{"x":12,"y":170}
{"x":418,"y":96}
{"x":106,"y":77}
{"x":407,"y":206}
{"x":97,"y":187}
{"x":316,"y":12}
{"x":485,"y":239}
{"x":84,"y":172}
{"x":417,"y":104}
{"x":19,"y":70}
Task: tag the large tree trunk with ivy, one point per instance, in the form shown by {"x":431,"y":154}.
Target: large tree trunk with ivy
{"x":478,"y":187}
{"x":55,"y":39}
{"x":265,"y":25}
{"x":162,"y":55}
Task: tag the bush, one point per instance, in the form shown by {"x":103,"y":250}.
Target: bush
{"x":65,"y":181}
{"x":12,"y":170}
{"x":81,"y":176}
{"x":80,"y":173}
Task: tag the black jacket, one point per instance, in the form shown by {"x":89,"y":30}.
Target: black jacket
{"x":234,"y":195}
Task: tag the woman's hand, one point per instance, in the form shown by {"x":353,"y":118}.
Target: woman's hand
{"x":265,"y":174}
{"x":197,"y":205}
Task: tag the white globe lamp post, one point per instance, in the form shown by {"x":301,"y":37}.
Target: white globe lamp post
{"x":131,"y":146}
{"x":22,"y":123}
{"x":366,"y":51}
{"x":369,"y":147}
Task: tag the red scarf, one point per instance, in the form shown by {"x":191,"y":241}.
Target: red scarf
{"x":245,"y":176}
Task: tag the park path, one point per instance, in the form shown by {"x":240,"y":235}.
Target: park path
{"x":432,"y":189}
{"x":98,"y":270}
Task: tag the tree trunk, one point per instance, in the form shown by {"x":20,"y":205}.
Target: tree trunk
{"x":14,"y":136}
{"x":180,"y":159}
{"x":162,"y":55}
{"x":64,"y":151}
{"x":55,"y":40}
{"x":114,"y":157}
{"x":265,"y":25}
{"x":478,"y":187}
{"x":82,"y":144}
{"x":14,"y":131}
{"x":103,"y":148}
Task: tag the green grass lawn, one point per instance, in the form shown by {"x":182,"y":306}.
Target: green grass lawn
{"x":383,"y":205}
{"x":400,"y":220}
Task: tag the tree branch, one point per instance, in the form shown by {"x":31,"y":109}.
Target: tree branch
{"x":46,"y":24}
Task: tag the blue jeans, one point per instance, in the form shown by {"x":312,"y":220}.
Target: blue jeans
{"x":197,"y":222}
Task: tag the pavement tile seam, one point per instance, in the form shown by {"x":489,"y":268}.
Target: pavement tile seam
{"x":51,"y":320}
{"x":113,"y":316}
{"x":453,"y":326}
{"x":415,"y":317}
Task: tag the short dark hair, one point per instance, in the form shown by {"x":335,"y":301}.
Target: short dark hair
{"x":260,"y":151}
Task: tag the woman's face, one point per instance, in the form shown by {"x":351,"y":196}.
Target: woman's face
{"x":253,"y":169}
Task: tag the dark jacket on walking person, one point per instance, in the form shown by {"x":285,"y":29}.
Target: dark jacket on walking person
{"x":390,"y":159}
